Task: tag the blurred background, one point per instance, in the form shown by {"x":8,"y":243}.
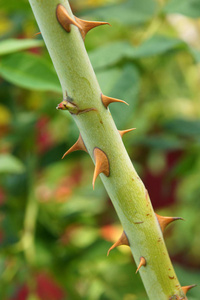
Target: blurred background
{"x":54,"y":229}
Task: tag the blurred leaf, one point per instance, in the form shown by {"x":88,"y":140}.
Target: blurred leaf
{"x":111,"y":54}
{"x":196,"y":54}
{"x":189,"y":128}
{"x":5,"y":115}
{"x":130,"y":12}
{"x":10,"y":164}
{"x":13,"y":5}
{"x":29,"y":71}
{"x":84,"y":236}
{"x":122,"y":84}
{"x":159,"y":142}
{"x":190,"y":8}
{"x":13,"y":45}
{"x":157,"y":45}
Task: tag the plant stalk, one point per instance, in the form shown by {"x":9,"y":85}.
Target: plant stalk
{"x":97,"y":128}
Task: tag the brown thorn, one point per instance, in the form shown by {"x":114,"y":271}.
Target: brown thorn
{"x":123,"y":240}
{"x":79,"y":145}
{"x":37,"y":33}
{"x":107,"y":100}
{"x":164,"y":221}
{"x":142,"y":263}
{"x":122,"y":132}
{"x":86,"y":26}
{"x":101,"y":164}
{"x":187,"y":288}
{"x":64,"y":19}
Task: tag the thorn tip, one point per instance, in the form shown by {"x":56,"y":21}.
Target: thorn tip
{"x":187,"y":288}
{"x":86,"y":26}
{"x":142,"y":263}
{"x":101,"y":164}
{"x":164,"y":221}
{"x":123,"y":240}
{"x":122,"y":132}
{"x":108,"y":100}
{"x":79,"y":145}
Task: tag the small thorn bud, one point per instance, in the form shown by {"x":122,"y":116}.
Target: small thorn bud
{"x":108,"y":100}
{"x":67,"y":105}
{"x":187,"y":288}
{"x":79,"y":145}
{"x":123,"y":240}
{"x":64,"y":18}
{"x":164,"y":221}
{"x":142,"y":263}
{"x":101,"y":164}
{"x":73,"y":108}
{"x":122,"y":132}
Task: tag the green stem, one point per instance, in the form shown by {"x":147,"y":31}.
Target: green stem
{"x":27,"y":240}
{"x":97,"y":128}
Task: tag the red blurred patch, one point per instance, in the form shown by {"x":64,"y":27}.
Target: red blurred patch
{"x":65,"y":188}
{"x":161,"y":189}
{"x":34,"y":50}
{"x":62,"y":193}
{"x":68,"y":233}
{"x":44,"y":139}
{"x":110,"y":232}
{"x":46,"y":289}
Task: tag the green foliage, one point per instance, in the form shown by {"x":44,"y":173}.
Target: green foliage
{"x":130,"y":12}
{"x":12,"y":45}
{"x":10,"y":164}
{"x":188,"y":8}
{"x":147,"y":64}
{"x":29,"y":71}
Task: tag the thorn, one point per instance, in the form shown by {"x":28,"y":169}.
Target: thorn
{"x":86,"y":26}
{"x":122,"y":132}
{"x":187,"y":288}
{"x":107,"y":100}
{"x":102,"y":164}
{"x":79,"y":145}
{"x":164,"y":221}
{"x":64,"y":19}
{"x":37,"y":33}
{"x":123,"y":240}
{"x":142,"y":263}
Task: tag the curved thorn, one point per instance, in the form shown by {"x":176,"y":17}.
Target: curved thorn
{"x":122,"y":132}
{"x":64,"y":18}
{"x":187,"y":288}
{"x":102,"y":164}
{"x":79,"y":145}
{"x":123,"y":240}
{"x":107,"y":100}
{"x":164,"y":221}
{"x":37,"y":33}
{"x":142,"y":263}
{"x":86,"y":26}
